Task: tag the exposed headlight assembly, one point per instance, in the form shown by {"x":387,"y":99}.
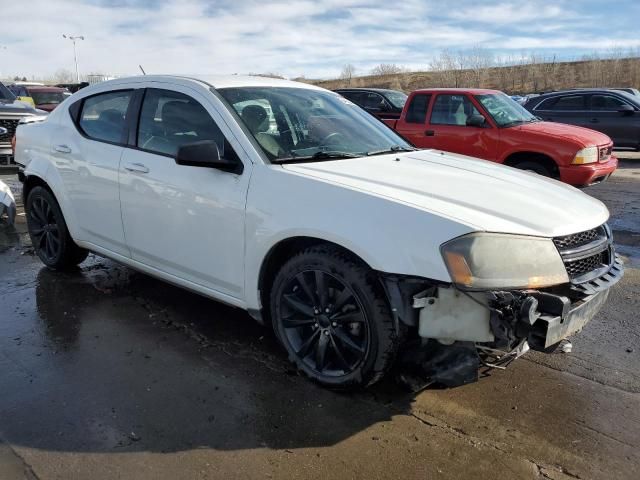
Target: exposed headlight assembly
{"x":586,"y":155}
{"x":483,"y":261}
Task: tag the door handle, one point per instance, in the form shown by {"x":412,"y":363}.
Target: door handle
{"x":136,"y":167}
{"x":594,"y":120}
{"x":62,"y":149}
{"x":429,"y":133}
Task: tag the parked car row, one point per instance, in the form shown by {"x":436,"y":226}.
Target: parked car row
{"x":293,"y":203}
{"x":12,"y":111}
{"x":517,"y":131}
{"x":39,"y":95}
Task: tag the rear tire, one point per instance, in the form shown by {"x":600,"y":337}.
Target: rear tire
{"x":329,"y":312}
{"x":534,"y":167}
{"x":48,"y":231}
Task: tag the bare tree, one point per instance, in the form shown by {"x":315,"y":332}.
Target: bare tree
{"x":63,"y":76}
{"x":387,"y":69}
{"x":448,"y":68}
{"x":348,"y":71}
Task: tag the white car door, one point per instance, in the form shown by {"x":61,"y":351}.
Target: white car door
{"x":87,"y":155}
{"x":186,"y":221}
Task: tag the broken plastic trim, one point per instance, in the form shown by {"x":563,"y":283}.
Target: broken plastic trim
{"x":7,"y":204}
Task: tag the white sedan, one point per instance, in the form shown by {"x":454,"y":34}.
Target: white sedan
{"x":291,"y":202}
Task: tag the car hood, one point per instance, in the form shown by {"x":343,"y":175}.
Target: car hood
{"x":47,"y":107}
{"x":585,"y":137}
{"x":16,"y":107}
{"x":483,"y":195}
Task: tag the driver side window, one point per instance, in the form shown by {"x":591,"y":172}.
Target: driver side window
{"x":171,"y":119}
{"x":452,"y":110}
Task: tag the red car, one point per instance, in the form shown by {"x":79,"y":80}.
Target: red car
{"x":488,"y":124}
{"x":47,"y":98}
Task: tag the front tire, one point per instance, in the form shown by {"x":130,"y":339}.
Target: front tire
{"x":534,"y":167}
{"x":48,"y":231}
{"x":329,"y":312}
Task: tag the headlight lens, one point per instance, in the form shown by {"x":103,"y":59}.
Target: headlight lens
{"x":489,"y":261}
{"x":586,"y":155}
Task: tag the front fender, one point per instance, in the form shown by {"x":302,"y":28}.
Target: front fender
{"x":389,"y":236}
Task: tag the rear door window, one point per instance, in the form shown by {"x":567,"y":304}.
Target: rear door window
{"x":417,"y":110}
{"x":564,"y":104}
{"x":355,"y":97}
{"x":103,"y":116}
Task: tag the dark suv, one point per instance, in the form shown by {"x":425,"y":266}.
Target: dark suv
{"x":12,"y":111}
{"x":613,"y":112}
{"x":379,"y":102}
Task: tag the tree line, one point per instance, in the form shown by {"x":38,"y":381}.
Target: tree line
{"x":515,"y":74}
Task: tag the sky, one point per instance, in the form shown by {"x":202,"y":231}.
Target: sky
{"x":299,"y":37}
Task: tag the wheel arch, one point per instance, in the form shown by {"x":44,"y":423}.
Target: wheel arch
{"x":277,"y":255}
{"x":30,"y":182}
{"x":546,"y":160}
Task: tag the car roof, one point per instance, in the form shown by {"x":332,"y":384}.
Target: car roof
{"x":365,"y":89}
{"x":472,"y":91}
{"x":575,"y":91}
{"x":45,"y":89}
{"x":215,"y":81}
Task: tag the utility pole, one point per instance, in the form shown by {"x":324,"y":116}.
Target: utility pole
{"x":75,"y":56}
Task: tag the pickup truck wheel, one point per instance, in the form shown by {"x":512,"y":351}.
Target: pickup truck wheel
{"x":331,"y":316}
{"x":48,"y":231}
{"x":533,"y":167}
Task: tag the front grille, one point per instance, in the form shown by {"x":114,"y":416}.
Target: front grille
{"x":10,"y":125}
{"x":586,"y":254}
{"x":605,"y":153}
{"x":583,"y":266}
{"x":579,"y":239}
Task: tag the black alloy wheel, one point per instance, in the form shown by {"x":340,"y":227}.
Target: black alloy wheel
{"x":324,"y":323}
{"x":329,"y":311}
{"x":44,"y":230}
{"x":48,"y":231}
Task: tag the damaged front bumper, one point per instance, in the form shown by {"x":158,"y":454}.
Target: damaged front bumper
{"x":456,"y":329}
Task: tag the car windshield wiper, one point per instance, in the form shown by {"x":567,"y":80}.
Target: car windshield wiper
{"x":391,"y":149}
{"x":321,"y":155}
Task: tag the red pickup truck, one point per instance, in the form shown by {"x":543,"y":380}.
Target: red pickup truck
{"x":488,"y":124}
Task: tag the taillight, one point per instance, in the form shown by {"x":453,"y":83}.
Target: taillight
{"x":13,"y":144}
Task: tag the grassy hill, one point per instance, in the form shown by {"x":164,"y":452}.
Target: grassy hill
{"x":512,"y":79}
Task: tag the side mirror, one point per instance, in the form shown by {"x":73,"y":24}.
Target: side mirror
{"x":206,"y":154}
{"x":476,"y":121}
{"x":626,"y":109}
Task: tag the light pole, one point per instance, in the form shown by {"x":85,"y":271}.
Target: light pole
{"x":75,"y":56}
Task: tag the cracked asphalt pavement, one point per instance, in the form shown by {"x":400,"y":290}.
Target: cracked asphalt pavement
{"x":106,"y":373}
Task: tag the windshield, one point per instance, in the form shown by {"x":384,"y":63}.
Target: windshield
{"x":299,"y":124}
{"x":41,"y":98}
{"x":397,"y":99}
{"x":505,"y":111}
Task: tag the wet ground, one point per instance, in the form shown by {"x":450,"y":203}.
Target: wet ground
{"x":107,"y":373}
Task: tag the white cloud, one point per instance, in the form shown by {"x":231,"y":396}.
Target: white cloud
{"x":291,"y":37}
